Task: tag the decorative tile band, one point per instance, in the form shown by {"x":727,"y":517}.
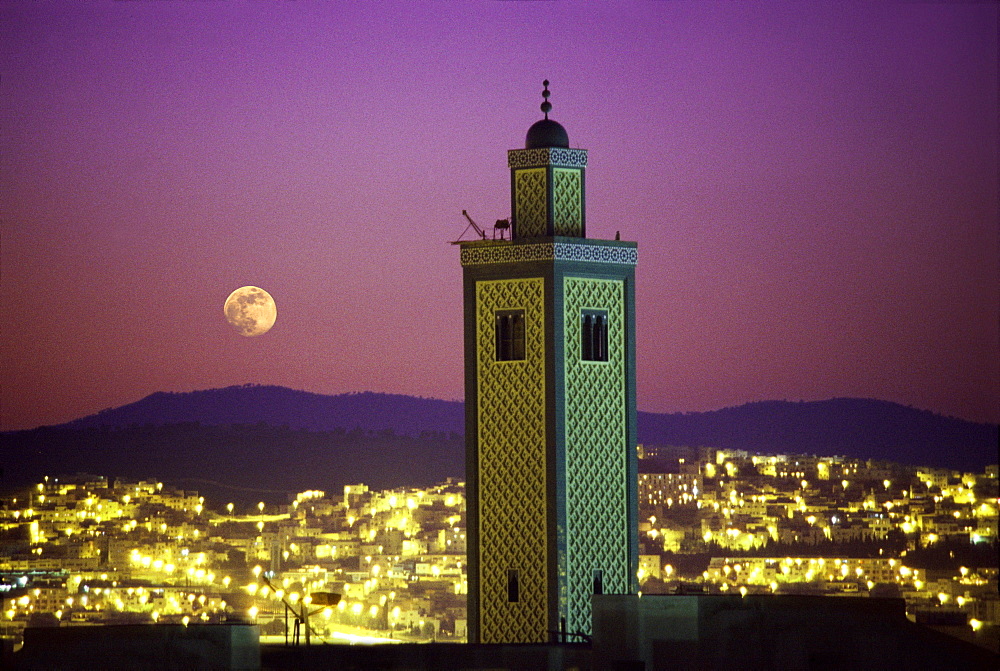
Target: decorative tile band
{"x":474,"y":256}
{"x":533,"y":158}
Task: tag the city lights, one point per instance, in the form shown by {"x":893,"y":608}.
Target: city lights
{"x":184,"y":559}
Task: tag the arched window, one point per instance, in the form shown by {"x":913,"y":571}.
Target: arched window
{"x":510,"y":335}
{"x":594,"y":335}
{"x":513,"y":586}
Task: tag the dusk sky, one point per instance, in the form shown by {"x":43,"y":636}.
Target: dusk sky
{"x":813,"y":188}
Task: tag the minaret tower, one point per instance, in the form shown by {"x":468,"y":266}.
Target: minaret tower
{"x":549,"y":404}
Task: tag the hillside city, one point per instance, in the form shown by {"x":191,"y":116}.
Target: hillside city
{"x":358,"y":565}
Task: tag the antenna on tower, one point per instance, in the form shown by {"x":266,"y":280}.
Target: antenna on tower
{"x":472,"y":224}
{"x":499,"y":227}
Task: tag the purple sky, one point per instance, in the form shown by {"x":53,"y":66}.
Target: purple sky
{"x":813,"y":188}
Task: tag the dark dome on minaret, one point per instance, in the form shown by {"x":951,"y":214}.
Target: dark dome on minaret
{"x":546,"y":132}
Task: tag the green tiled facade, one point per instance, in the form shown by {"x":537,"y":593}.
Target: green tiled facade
{"x":550,"y":429}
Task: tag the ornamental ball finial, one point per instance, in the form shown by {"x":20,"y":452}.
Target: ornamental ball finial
{"x":546,"y":106}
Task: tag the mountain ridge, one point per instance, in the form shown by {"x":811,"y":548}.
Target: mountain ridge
{"x":282,"y":406}
{"x":269,"y":437}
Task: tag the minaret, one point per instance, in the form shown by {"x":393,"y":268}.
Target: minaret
{"x":550,"y":405}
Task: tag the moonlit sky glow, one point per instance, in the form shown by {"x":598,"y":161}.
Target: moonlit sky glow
{"x":813,"y":187}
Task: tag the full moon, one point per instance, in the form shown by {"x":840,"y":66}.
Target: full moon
{"x":251,"y":311}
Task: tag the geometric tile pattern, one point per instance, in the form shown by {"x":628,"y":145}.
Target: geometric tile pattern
{"x":512,"y":517}
{"x":531,"y":203}
{"x":596,"y":454}
{"x":533,"y":158}
{"x":566,"y":206}
{"x":548,"y":251}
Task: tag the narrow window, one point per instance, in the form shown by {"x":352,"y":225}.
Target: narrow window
{"x":594,"y":335}
{"x":601,"y":338}
{"x":509,"y":335}
{"x":598,"y":581}
{"x":513,"y":588}
{"x":517,"y":339}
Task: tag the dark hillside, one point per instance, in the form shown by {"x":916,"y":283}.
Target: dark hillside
{"x":855,"y":427}
{"x":274,"y":438}
{"x":251,"y":460}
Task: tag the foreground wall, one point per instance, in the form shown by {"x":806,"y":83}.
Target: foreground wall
{"x":159,"y":646}
{"x":770,"y":632}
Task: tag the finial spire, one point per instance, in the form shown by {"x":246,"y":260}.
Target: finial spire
{"x":546,"y":105}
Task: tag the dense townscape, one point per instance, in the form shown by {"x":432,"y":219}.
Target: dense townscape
{"x":366,"y":566}
{"x":809,"y":525}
